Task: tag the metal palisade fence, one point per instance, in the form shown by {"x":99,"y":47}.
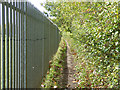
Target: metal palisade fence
{"x":28,"y":41}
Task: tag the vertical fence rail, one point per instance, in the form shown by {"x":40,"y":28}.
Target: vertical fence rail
{"x":27,"y":36}
{"x":49,"y":40}
{"x":22,"y":67}
{"x":20,"y":47}
{"x":3,"y":46}
{"x":43,"y":50}
{"x":10,"y":49}
{"x":18,"y":13}
{"x":16,"y":47}
{"x":13,"y":49}
{"x":25,"y":30}
{"x":0,"y":44}
{"x":7,"y":46}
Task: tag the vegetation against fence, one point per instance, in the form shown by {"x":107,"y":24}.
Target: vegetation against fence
{"x":95,"y":33}
{"x":56,"y":65}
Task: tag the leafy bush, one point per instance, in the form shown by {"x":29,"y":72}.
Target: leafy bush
{"x":94,"y":27}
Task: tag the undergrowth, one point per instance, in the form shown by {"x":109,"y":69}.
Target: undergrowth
{"x":56,"y":66}
{"x":91,"y":73}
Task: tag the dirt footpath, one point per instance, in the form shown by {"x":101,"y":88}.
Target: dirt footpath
{"x":68,"y":79}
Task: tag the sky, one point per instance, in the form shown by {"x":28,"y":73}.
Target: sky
{"x":36,"y":3}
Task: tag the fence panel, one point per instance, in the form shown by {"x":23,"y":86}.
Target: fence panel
{"x":28,"y":40}
{"x":34,"y":47}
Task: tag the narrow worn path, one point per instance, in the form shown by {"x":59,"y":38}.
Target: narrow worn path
{"x":71,"y":68}
{"x":68,"y":80}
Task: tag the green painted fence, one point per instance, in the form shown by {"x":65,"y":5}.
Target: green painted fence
{"x":28,"y":41}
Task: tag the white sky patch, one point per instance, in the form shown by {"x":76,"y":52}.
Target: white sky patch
{"x":36,"y":4}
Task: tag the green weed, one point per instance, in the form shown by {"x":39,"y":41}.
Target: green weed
{"x":56,"y":66}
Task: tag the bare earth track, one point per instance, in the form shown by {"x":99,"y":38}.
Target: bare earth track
{"x":68,"y":79}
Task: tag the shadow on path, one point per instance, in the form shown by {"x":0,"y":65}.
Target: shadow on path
{"x":65,"y":73}
{"x":68,"y":79}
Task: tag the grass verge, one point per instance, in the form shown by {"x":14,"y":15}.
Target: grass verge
{"x":56,"y":65}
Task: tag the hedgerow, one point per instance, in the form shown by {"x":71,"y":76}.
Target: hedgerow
{"x":94,"y":29}
{"x":99,"y":38}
